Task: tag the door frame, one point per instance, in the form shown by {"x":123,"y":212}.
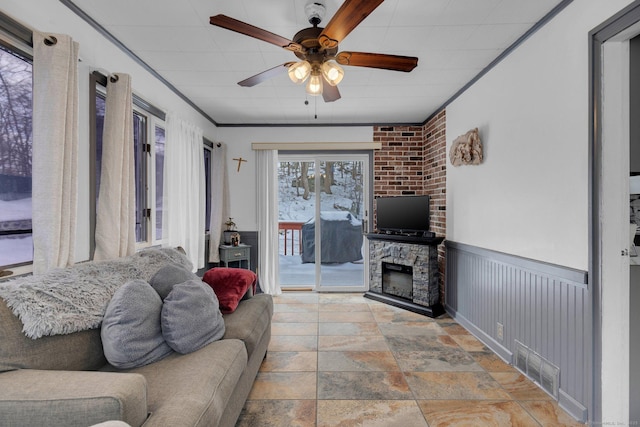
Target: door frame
{"x":609,"y":266}
{"x":366,"y":156}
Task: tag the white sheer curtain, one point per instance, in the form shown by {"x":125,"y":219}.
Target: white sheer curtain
{"x":267,"y":204}
{"x":184,"y":189}
{"x":116,"y":211}
{"x":55,"y":150}
{"x":219,"y":199}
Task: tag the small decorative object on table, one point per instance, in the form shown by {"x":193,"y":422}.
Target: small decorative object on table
{"x":231,"y":229}
{"x":235,"y":239}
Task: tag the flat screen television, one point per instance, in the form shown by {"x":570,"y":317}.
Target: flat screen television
{"x":402,"y":214}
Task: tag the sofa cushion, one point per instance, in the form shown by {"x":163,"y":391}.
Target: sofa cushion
{"x":191,"y":317}
{"x":193,"y":389}
{"x":169,"y":276}
{"x":131,"y":332}
{"x":150,"y":260}
{"x":73,"y":352}
{"x":230,"y":285}
{"x":30,"y":397}
{"x":250,"y":321}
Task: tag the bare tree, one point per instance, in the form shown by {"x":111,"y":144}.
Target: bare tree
{"x":15,"y":115}
{"x":304,"y":177}
{"x":328,"y":178}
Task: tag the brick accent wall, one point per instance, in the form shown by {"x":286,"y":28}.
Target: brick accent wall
{"x":435,"y":182}
{"x":398,"y":167}
{"x":413,"y":161}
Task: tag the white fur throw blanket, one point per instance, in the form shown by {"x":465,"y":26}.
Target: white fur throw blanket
{"x":67,"y":300}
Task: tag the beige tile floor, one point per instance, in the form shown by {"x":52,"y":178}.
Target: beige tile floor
{"x":344,"y":360}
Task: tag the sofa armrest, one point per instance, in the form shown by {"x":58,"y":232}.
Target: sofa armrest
{"x":30,"y":397}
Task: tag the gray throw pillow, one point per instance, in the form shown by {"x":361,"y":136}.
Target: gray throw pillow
{"x":168,"y":276}
{"x":191,"y":317}
{"x":131,"y":332}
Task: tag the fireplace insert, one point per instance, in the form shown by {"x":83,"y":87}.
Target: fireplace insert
{"x":397,"y":280}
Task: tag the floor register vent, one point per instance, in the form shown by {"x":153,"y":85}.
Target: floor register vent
{"x":538,"y":369}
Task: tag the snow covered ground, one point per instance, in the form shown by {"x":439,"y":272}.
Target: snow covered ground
{"x":294,"y":273}
{"x":15,"y":210}
{"x":14,"y":249}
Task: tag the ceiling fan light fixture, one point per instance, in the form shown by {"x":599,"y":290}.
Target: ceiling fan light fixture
{"x":314,"y":86}
{"x":332,"y":72}
{"x":299,"y":71}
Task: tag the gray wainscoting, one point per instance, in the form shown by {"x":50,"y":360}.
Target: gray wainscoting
{"x":546,"y":307}
{"x":251,"y":238}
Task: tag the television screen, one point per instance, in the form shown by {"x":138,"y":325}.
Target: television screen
{"x":402,"y":214}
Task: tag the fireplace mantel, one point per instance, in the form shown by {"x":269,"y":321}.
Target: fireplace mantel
{"x":421,"y":253}
{"x":406,"y":238}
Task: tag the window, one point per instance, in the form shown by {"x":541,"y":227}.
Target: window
{"x":207,"y":186}
{"x":16,"y":244}
{"x":148,"y":146}
{"x":140,"y":149}
{"x":99,"y":117}
{"x":149,"y":143}
{"x":160,"y":138}
{"x":149,"y":153}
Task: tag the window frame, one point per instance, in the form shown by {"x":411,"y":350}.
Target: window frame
{"x":207,"y":146}
{"x":154,"y":117}
{"x":152,"y":122}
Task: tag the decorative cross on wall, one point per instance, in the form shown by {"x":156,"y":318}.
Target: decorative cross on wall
{"x":239,"y":160}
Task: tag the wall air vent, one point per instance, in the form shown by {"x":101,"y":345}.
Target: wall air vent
{"x":538,"y":369}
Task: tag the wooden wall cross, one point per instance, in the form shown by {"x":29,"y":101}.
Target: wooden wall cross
{"x":239,"y":160}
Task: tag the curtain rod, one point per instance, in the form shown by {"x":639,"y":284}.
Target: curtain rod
{"x":211,"y":144}
{"x":137,"y":100}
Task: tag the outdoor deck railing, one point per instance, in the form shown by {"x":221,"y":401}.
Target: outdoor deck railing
{"x":293,"y":226}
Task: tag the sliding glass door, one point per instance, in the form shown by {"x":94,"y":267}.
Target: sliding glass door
{"x":323,"y":206}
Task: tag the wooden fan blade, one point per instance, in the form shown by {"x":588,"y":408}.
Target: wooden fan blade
{"x":232,"y":24}
{"x":377,"y":60}
{"x":350,"y":14}
{"x":265,"y":75}
{"x":329,"y":93}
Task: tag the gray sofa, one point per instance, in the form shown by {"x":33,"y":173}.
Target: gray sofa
{"x":65,"y":379}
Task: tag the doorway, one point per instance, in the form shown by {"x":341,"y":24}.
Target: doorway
{"x":322,"y":216}
{"x":615,"y":393}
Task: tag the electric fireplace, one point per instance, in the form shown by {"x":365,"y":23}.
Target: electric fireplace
{"x":404,"y":272}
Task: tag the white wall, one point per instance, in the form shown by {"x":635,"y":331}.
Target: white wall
{"x":97,"y":53}
{"x":242,"y":184}
{"x":530,"y":196}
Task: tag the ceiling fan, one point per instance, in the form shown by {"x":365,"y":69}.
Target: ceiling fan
{"x":317,"y":48}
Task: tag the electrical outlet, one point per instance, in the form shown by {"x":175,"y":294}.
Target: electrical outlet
{"x":500,"y":331}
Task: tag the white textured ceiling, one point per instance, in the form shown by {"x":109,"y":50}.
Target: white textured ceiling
{"x":453,"y":39}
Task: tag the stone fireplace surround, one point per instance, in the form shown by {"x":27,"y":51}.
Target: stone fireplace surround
{"x":421,"y":253}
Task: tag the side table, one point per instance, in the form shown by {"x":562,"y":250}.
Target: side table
{"x":237,"y":254}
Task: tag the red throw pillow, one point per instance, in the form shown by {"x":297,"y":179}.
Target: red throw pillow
{"x":230,"y":285}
